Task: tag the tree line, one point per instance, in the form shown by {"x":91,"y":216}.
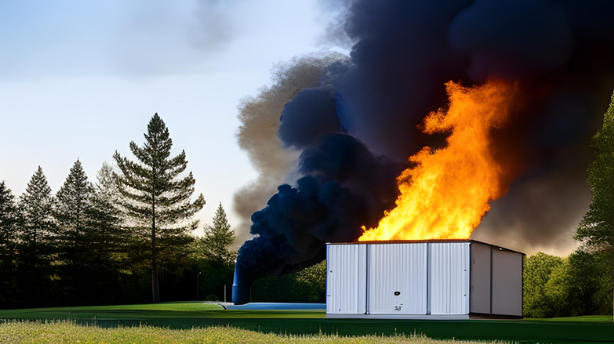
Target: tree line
{"x":127,"y":237}
{"x":578,"y":284}
{"x":583,"y":282}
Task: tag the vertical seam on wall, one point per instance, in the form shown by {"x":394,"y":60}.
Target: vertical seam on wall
{"x":367,"y":311}
{"x":428,"y":278}
{"x":470,"y":293}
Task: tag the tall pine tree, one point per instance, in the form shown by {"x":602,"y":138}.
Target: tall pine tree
{"x":73,"y":203}
{"x":36,"y":203}
{"x":37,"y":240}
{"x":72,"y":210}
{"x":105,"y":218}
{"x":108,"y":240}
{"x":156,"y":198}
{"x":596,"y":230}
{"x":8,"y":239}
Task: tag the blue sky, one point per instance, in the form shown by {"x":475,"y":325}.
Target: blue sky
{"x":81,"y":79}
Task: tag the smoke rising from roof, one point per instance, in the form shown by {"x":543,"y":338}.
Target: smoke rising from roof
{"x":559,"y":53}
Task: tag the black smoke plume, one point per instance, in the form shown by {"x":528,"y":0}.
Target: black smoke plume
{"x":356,"y":133}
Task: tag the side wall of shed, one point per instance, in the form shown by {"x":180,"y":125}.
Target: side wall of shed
{"x":496,"y":280}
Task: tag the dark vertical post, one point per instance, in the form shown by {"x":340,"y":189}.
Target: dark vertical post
{"x":491,"y":269}
{"x":197,"y":279}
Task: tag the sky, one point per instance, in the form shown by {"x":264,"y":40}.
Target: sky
{"x":81,"y":79}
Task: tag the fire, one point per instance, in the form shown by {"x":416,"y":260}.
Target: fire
{"x":446,"y":193}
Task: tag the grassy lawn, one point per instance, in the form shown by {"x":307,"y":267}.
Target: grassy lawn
{"x":165,"y":310}
{"x":188,"y":315}
{"x":67,"y":332}
{"x":606,"y":319}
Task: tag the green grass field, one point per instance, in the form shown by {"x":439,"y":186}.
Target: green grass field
{"x":68,"y":332}
{"x":184,"y":316}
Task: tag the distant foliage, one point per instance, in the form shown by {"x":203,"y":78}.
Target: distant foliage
{"x":86,"y":246}
{"x":218,"y":238}
{"x":571,"y":286}
{"x":536,"y":274}
{"x":307,"y":285}
{"x":215,"y":260}
{"x":9,"y":224}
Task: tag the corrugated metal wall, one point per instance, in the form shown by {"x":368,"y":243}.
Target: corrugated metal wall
{"x":397,"y":279}
{"x":431,"y":278}
{"x":346,"y":280}
{"x":449,"y":280}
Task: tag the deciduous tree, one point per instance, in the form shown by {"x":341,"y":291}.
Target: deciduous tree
{"x":536,"y":273}
{"x":596,"y":230}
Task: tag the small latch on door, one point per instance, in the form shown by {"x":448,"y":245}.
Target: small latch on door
{"x":397,"y":293}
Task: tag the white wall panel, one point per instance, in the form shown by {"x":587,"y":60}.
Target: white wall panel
{"x":397,"y":278}
{"x":346,"y":280}
{"x":449,"y":278}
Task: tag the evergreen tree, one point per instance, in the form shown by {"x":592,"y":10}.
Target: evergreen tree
{"x":8,"y":227}
{"x":214,"y":259}
{"x":218,"y":238}
{"x":37,"y":240}
{"x":36,"y":203}
{"x":596,"y":230}
{"x":73,"y":203}
{"x":105,"y":218}
{"x":155,"y":198}
{"x":72,"y":209}
{"x":107,"y":241}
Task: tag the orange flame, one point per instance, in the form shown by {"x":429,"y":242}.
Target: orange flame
{"x":446,"y":194}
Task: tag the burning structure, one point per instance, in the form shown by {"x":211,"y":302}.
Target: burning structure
{"x":367,"y":156}
{"x":423,"y":279}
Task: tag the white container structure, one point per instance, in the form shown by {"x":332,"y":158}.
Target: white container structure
{"x":457,"y":279}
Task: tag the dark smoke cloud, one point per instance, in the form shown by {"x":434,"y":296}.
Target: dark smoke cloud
{"x":499,"y":44}
{"x":310,"y":114}
{"x":344,"y":187}
{"x":257,"y":134}
{"x":559,"y":53}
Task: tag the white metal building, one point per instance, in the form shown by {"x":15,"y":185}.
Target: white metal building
{"x":455,"y":279}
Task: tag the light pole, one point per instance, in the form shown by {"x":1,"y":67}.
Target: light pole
{"x":197,"y":275}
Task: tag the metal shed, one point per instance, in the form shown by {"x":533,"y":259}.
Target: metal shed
{"x":452,"y":279}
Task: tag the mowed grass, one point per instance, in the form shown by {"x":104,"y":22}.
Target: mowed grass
{"x":603,"y":319}
{"x":186,"y":316}
{"x":165,"y":310}
{"x":69,"y":332}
